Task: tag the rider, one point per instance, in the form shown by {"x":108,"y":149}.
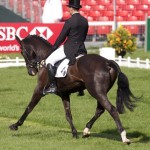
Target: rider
{"x":75,"y":30}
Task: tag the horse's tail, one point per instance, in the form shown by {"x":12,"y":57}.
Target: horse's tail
{"x":124,"y":95}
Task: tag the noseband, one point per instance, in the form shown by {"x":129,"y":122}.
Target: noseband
{"x":30,"y":63}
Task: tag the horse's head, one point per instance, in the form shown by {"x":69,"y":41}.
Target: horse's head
{"x":29,"y":55}
{"x":34,"y":49}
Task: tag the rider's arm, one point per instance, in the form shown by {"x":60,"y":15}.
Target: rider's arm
{"x":61,"y":38}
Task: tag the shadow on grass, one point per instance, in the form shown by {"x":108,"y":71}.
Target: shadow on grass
{"x":139,"y":137}
{"x":16,"y":134}
{"x":135,"y":136}
{"x":6,"y":89}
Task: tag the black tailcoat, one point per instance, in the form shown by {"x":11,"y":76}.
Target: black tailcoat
{"x":74,"y":32}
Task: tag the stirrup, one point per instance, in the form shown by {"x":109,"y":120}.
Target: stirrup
{"x":52,"y":89}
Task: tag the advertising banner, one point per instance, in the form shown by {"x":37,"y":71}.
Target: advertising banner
{"x":8,"y":31}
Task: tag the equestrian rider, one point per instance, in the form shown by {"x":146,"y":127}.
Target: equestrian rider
{"x":74,"y":34}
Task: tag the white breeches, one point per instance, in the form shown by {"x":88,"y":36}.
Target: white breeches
{"x":57,"y":55}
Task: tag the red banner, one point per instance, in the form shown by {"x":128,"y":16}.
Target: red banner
{"x":8,"y":31}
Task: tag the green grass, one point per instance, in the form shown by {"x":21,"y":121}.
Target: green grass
{"x":10,"y":55}
{"x":46,"y":127}
{"x":139,"y":53}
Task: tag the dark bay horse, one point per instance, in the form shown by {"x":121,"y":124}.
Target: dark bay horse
{"x":91,"y":72}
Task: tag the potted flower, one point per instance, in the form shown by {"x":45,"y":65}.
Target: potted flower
{"x":122,"y":41}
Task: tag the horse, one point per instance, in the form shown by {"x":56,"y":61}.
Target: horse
{"x":92,"y":72}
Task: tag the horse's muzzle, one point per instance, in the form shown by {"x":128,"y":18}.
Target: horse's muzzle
{"x":32,"y":72}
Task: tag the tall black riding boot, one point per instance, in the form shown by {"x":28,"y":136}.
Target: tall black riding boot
{"x":51,"y":73}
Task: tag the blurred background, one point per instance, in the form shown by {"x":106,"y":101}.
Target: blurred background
{"x":103,"y":15}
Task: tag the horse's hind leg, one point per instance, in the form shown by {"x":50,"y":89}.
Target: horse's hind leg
{"x":114,"y":113}
{"x":66,"y":103}
{"x":99,"y":110}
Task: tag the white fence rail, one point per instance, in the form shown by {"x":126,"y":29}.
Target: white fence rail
{"x":126,"y":62}
{"x":12,"y":62}
{"x":133,"y":63}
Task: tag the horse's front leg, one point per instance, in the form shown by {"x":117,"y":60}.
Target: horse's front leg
{"x":34,"y":101}
{"x":66,"y":103}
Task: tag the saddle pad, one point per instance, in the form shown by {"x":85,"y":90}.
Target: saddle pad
{"x":62,"y":69}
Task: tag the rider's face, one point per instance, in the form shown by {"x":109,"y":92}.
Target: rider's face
{"x":71,"y":10}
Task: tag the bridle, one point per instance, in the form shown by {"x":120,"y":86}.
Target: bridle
{"x":30,"y":63}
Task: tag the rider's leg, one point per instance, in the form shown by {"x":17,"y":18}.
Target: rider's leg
{"x":50,"y":61}
{"x":52,"y":81}
{"x":57,"y":55}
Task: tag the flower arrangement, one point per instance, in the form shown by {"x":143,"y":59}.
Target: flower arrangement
{"x":121,"y":40}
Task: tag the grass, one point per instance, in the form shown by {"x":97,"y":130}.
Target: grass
{"x":10,"y":55}
{"x":46,"y":127}
{"x":139,"y":53}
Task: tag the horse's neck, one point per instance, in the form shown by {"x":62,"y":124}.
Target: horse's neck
{"x":43,"y":53}
{"x":42,"y":48}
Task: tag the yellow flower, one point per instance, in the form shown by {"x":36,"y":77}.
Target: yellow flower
{"x":121,"y":39}
{"x":111,"y":42}
{"x":124,"y":41}
{"x":117,"y":39}
{"x":130,"y":43}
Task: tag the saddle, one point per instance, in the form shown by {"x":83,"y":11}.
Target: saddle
{"x":62,"y":66}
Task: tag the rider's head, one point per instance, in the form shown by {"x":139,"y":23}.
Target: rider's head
{"x":74,"y":6}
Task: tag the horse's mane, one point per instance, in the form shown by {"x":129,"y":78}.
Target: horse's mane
{"x":28,"y":38}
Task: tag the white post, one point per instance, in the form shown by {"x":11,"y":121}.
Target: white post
{"x":147,"y":63}
{"x":120,"y":59}
{"x":138,"y":62}
{"x":17,"y":60}
{"x":129,"y":61}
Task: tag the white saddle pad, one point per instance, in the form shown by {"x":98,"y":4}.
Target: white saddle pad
{"x":62,"y":69}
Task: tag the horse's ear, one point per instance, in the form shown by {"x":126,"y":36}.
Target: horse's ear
{"x":18,"y":40}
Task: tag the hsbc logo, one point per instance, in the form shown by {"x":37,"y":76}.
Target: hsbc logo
{"x":44,"y":32}
{"x":8,"y":33}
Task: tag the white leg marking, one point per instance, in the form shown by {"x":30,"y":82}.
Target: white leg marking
{"x":86,"y":131}
{"x":124,"y":138}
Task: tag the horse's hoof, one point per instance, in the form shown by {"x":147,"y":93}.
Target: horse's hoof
{"x":75,"y":136}
{"x":86,"y":136}
{"x":125,"y":140}
{"x":128,"y":142}
{"x":13,"y":127}
{"x":86,"y":133}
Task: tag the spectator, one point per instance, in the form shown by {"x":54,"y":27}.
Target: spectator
{"x":52,"y":11}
